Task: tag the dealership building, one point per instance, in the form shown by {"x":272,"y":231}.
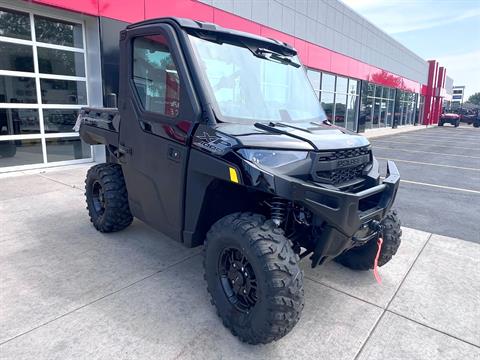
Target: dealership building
{"x":60,"y":55}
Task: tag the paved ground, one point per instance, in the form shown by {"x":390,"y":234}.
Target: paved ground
{"x":440,"y":171}
{"x":67,"y":291}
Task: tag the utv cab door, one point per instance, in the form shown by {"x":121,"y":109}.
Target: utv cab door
{"x":158,"y":110}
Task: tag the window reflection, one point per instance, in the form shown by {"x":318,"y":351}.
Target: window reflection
{"x":58,"y":32}
{"x":19,"y":121}
{"x":339,"y":97}
{"x":352,"y":86}
{"x":15,"y":24}
{"x":328,"y":82}
{"x":67,"y":148}
{"x":340,"y":109}
{"x":327,"y":100}
{"x":341,"y":85}
{"x":314,"y":77}
{"x":60,"y":62}
{"x":20,"y":152}
{"x":63,"y":91}
{"x":16,"y":57}
{"x":15,"y":89}
{"x":59,"y":120}
{"x":351,"y":112}
{"x":155,"y":75}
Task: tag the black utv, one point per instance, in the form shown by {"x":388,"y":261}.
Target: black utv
{"x":219,"y":140}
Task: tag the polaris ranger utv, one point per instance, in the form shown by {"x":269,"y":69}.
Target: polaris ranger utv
{"x":220,"y":140}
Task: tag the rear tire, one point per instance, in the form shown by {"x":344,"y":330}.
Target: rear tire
{"x":476,"y":124}
{"x":107,"y":198}
{"x":457,"y":124}
{"x":362,"y":257}
{"x":274,"y":301}
{"x":440,"y":123}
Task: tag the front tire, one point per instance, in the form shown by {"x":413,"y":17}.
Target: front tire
{"x":107,"y":198}
{"x":362,"y":257}
{"x":253,"y":277}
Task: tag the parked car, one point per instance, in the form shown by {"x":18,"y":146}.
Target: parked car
{"x":449,"y":118}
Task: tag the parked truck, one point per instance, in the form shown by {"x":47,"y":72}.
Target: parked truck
{"x":219,"y":140}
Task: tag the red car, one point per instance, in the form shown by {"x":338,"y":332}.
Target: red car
{"x":449,"y":118}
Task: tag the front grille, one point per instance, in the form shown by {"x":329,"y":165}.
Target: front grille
{"x":340,"y":166}
{"x":343,"y":154}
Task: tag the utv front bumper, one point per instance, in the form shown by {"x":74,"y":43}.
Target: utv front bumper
{"x":343,"y":214}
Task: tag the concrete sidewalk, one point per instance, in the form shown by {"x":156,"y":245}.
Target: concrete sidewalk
{"x":68,"y":291}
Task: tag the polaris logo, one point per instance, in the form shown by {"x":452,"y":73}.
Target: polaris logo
{"x":343,"y":163}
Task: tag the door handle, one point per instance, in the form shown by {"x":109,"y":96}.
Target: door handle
{"x":124,"y":150}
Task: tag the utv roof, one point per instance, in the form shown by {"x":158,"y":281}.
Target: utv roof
{"x":214,"y":29}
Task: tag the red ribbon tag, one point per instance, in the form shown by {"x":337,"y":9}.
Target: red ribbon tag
{"x":375,"y":262}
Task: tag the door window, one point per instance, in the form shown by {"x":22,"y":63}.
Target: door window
{"x":155,"y":75}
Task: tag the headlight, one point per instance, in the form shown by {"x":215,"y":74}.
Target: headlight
{"x":272,"y":158}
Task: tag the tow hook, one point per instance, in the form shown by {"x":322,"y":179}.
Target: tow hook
{"x":378,"y":228}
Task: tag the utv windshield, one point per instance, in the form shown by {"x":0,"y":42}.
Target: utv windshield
{"x":248,"y":88}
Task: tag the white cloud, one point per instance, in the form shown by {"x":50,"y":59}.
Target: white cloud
{"x":464,"y":69}
{"x":396,"y":17}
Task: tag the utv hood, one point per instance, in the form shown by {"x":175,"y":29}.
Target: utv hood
{"x":296,"y":136}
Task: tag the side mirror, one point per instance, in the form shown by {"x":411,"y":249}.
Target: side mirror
{"x":112,"y":100}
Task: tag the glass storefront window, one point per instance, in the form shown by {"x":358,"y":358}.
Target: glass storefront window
{"x":47,"y":119}
{"x":405,"y":108}
{"x":59,"y":120}
{"x":352,"y":86}
{"x":376,"y":113}
{"x":340,"y":109}
{"x":20,"y":152}
{"x":339,"y":97}
{"x":328,"y":103}
{"x":342,"y":85}
{"x":19,"y":121}
{"x":63,"y":91}
{"x":15,"y":24}
{"x":383,"y":103}
{"x":383,"y":113}
{"x":328,"y":82}
{"x":314,"y":77}
{"x":61,"y":62}
{"x":371,"y":90}
{"x":16,"y":57}
{"x":14,"y":89}
{"x":390,"y":113}
{"x":66,"y":148}
{"x":58,"y":32}
{"x":352,"y":105}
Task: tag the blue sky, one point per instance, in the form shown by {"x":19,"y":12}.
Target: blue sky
{"x":444,"y":30}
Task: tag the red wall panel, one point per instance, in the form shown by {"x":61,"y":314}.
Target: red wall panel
{"x":125,"y":10}
{"x":82,"y":6}
{"x":231,"y":21}
{"x":178,"y":8}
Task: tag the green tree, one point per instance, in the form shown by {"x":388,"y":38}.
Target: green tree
{"x":474,"y":99}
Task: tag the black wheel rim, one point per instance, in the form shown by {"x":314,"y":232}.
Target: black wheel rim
{"x":98,"y":198}
{"x":238,"y":279}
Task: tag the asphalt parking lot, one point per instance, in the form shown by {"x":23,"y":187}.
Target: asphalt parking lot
{"x":70,"y":292}
{"x":440,"y":172}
